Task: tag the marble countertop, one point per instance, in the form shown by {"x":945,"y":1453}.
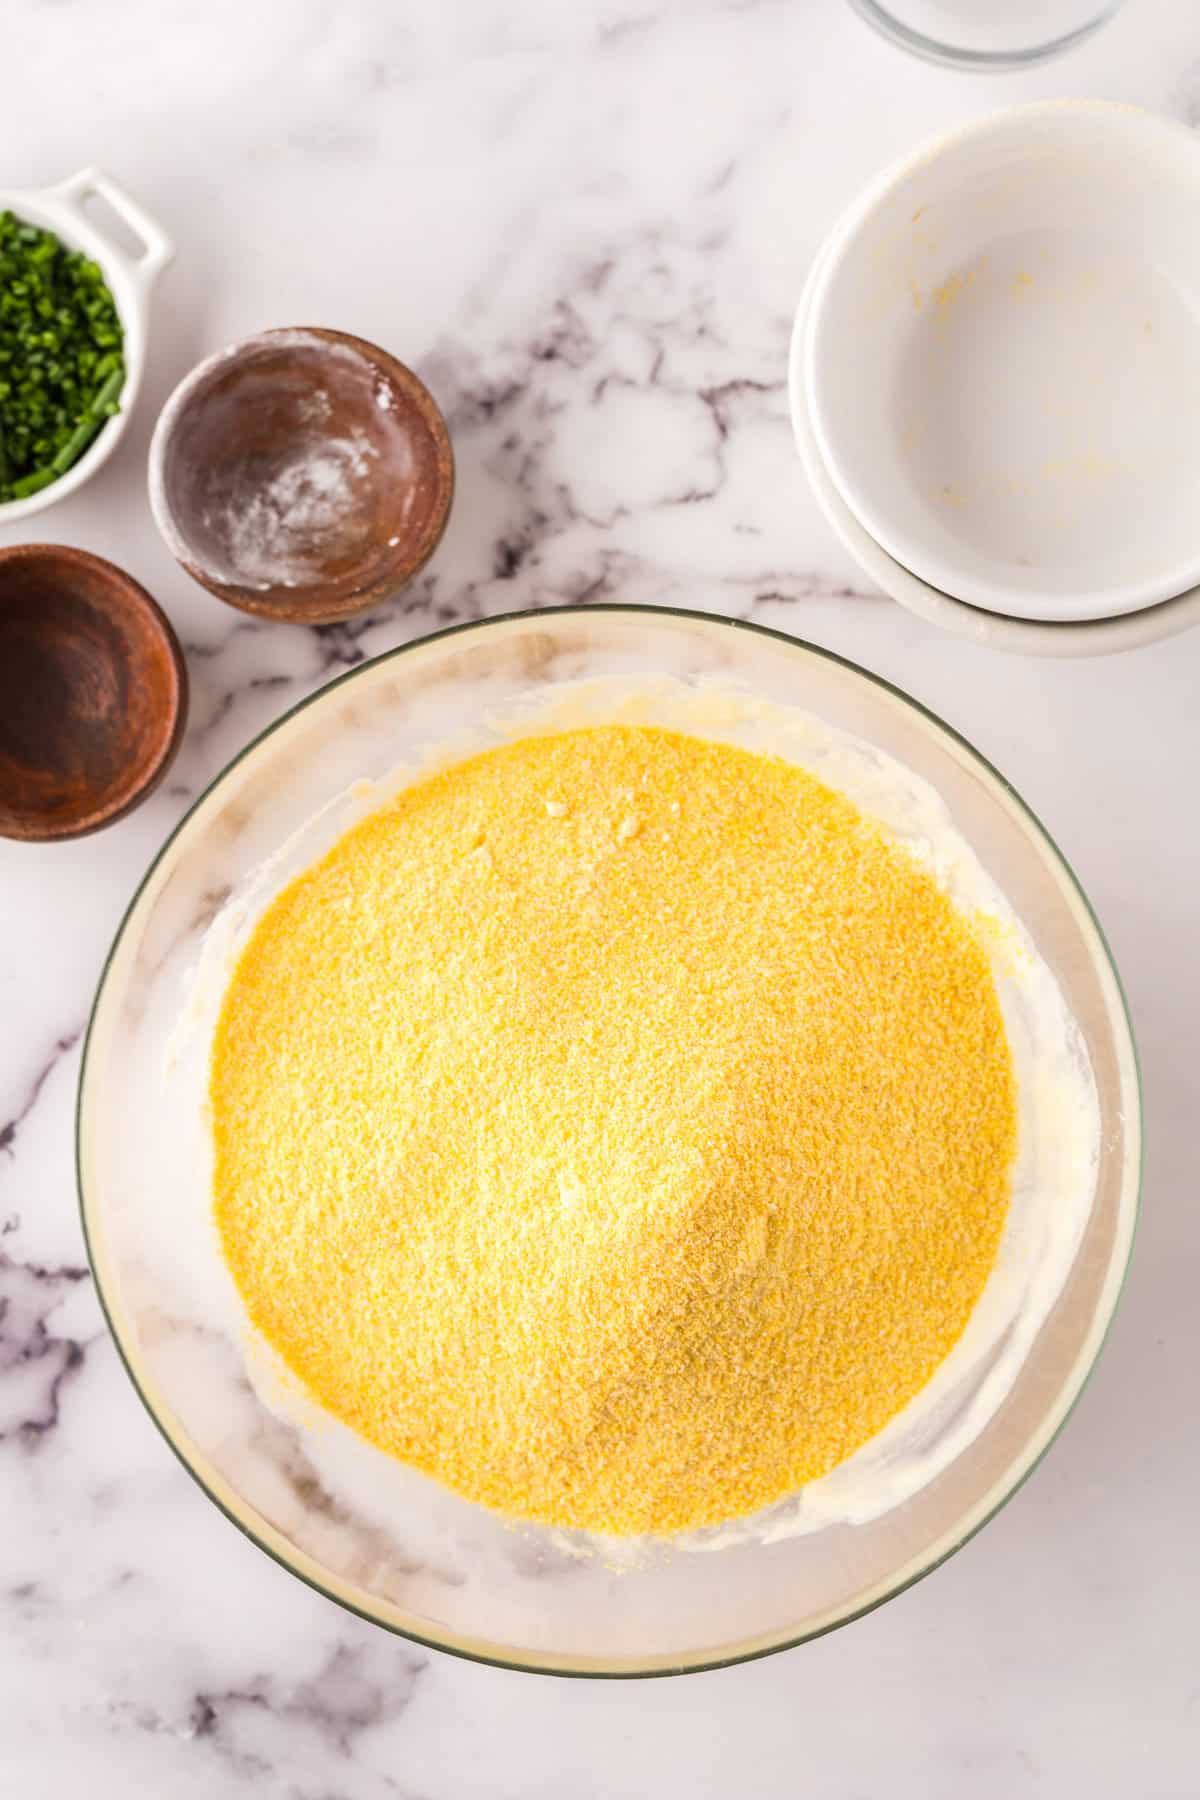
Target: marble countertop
{"x":587,"y":226}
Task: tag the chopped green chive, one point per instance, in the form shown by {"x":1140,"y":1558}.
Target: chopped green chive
{"x":61,"y":362}
{"x":32,"y":484}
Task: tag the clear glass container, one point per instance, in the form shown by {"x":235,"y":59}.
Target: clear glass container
{"x":986,"y":34}
{"x":392,"y":1546}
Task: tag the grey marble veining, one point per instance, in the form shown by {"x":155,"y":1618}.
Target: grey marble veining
{"x":587,"y":227}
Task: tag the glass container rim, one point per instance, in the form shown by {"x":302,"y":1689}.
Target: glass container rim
{"x":956,"y":56}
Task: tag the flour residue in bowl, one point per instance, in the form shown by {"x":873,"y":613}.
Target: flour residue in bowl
{"x":277,"y":535}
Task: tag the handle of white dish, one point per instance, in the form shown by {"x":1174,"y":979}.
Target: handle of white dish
{"x":157,"y":248}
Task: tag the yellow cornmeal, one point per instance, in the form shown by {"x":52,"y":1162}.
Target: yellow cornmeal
{"x":617,"y":1127}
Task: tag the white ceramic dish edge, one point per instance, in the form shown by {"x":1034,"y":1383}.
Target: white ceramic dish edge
{"x":1097,"y":637}
{"x":130,"y":280}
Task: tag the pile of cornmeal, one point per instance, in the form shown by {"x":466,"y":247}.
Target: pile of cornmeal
{"x":618,"y":1127}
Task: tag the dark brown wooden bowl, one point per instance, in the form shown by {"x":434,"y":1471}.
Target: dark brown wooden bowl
{"x":303,"y":474}
{"x":93,"y":692}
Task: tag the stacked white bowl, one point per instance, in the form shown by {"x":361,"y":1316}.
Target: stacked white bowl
{"x":995,"y":379}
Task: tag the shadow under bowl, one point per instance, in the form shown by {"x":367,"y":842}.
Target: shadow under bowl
{"x":303,"y":474}
{"x":93,"y":692}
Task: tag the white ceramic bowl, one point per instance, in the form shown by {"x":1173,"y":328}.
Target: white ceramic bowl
{"x":130,"y":278}
{"x":1002,"y":361}
{"x":1095,"y":637}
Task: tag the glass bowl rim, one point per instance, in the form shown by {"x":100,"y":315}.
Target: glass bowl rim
{"x":956,"y":56}
{"x":758,"y":1650}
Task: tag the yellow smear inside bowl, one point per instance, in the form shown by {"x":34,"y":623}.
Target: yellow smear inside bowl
{"x":617,"y":1127}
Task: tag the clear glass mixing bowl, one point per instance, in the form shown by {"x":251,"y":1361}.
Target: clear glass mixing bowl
{"x":415,"y":1558}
